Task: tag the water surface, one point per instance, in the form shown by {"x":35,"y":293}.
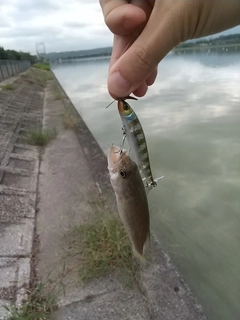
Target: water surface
{"x":191,"y":118}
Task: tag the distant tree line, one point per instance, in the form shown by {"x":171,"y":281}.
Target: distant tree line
{"x":99,"y":52}
{"x":220,"y":41}
{"x":16,"y":55}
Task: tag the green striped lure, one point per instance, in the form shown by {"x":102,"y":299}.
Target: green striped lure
{"x":133,"y":130}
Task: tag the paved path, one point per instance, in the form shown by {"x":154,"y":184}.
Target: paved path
{"x":20,"y":110}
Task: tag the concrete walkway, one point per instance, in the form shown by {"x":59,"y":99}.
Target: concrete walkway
{"x":20,"y":110}
{"x":72,"y":174}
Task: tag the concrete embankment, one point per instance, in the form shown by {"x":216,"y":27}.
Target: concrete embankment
{"x":55,"y":190}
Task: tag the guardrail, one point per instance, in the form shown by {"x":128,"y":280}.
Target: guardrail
{"x":9,"y":68}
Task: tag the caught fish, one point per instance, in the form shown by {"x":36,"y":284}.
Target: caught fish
{"x":131,"y":199}
{"x":134,"y":132}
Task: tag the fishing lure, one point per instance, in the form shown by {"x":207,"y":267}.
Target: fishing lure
{"x":133,"y":131}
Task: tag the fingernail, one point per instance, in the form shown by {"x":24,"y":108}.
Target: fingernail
{"x":118,"y":86}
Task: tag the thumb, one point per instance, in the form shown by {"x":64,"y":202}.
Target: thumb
{"x":134,"y":67}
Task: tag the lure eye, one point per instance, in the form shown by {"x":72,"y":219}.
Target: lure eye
{"x":125,"y":106}
{"x":123,"y":173}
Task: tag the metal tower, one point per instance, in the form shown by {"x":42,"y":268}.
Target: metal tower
{"x":41,"y":50}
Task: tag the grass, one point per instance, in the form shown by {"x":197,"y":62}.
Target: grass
{"x":70,"y":121}
{"x":43,"y":66}
{"x":40,"y":137}
{"x":56,"y":91}
{"x":38,"y":76}
{"x":39,"y":305}
{"x":41,"y":76}
{"x":102,"y":247}
{"x":8,"y":86}
{"x":57,"y":96}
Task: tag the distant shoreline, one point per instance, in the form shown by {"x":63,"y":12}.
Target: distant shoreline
{"x":229,"y":42}
{"x":217,"y":48}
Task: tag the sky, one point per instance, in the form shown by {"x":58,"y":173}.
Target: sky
{"x":61,"y":25}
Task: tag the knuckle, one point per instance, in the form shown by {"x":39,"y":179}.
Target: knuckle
{"x":143,"y":59}
{"x":106,"y":8}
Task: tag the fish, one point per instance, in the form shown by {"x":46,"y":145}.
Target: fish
{"x":132,"y":129}
{"x":131,"y":200}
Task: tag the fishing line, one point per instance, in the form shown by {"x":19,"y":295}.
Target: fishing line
{"x":110,"y":104}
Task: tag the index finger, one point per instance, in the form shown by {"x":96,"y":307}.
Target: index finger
{"x":121,"y":17}
{"x":127,"y":22}
{"x":108,"y":5}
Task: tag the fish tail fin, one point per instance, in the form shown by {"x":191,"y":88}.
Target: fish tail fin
{"x":146,"y":244}
{"x":141,"y":257}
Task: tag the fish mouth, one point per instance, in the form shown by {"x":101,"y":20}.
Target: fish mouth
{"x":113,"y":156}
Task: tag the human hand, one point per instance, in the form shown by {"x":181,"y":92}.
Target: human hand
{"x":146,"y":30}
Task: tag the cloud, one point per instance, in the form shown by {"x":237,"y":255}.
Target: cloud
{"x":4,"y":24}
{"x":34,"y":7}
{"x":28,"y":32}
{"x":61,"y":25}
{"x":75,"y":24}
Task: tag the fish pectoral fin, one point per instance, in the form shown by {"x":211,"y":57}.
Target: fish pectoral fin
{"x":146,"y":245}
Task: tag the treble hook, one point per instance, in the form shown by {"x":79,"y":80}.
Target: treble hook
{"x":123,"y":139}
{"x":122,"y":143}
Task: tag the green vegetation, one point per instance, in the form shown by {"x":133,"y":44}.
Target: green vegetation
{"x":40,"y":137}
{"x":42,"y":76}
{"x":16,"y":55}
{"x":101,"y":246}
{"x":39,"y":305}
{"x":231,"y":40}
{"x":37,"y":76}
{"x":99,"y":52}
{"x":8,"y":86}
{"x":57,"y":95}
{"x":56,"y":90}
{"x":42,"y":65}
{"x":70,"y":121}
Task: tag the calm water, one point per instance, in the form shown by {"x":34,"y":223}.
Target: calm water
{"x":191,"y":118}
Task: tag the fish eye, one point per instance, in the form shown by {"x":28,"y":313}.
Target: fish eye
{"x":123,"y":173}
{"x":125,"y":106}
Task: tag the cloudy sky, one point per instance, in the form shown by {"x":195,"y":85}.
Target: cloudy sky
{"x":61,"y":25}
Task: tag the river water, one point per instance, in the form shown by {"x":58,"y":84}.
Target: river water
{"x":191,"y":119}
